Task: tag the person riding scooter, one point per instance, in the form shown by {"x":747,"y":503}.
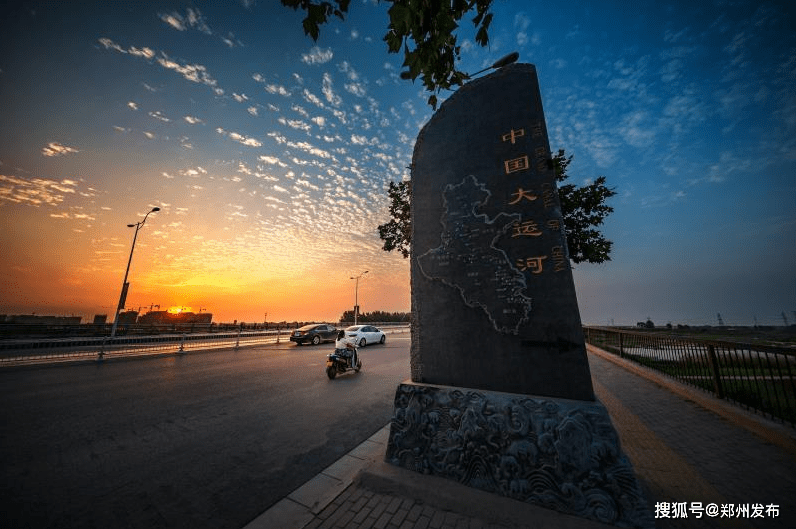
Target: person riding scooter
{"x":344,"y":345}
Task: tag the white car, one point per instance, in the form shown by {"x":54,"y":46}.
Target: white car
{"x":365,"y":334}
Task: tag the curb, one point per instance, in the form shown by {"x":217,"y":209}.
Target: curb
{"x":299,"y":507}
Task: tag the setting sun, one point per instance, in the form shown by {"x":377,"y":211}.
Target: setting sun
{"x":178,"y":310}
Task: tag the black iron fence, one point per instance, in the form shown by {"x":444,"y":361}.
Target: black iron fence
{"x":757,"y":377}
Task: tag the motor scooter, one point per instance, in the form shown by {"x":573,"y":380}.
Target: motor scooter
{"x":339,"y":362}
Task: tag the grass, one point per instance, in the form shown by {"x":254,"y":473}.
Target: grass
{"x":772,"y":397}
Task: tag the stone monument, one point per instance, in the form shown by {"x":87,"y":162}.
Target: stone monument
{"x":501,"y":396}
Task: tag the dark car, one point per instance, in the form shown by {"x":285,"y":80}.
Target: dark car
{"x":314,"y":334}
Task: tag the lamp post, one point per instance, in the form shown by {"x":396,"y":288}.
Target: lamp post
{"x":500,"y":63}
{"x":356,"y":295}
{"x":125,"y":284}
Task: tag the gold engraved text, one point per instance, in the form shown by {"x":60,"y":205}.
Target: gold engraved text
{"x":513,"y":135}
{"x":559,"y":260}
{"x":534,"y":264}
{"x":520,"y":194}
{"x":547,"y":194}
{"x":517,"y":164}
{"x":529,"y":228}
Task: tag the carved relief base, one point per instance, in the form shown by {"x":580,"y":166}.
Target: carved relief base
{"x":557,"y":453}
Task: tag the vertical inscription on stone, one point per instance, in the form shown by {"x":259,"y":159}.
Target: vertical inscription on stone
{"x":491,"y":281}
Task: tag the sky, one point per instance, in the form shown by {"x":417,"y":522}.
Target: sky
{"x":269,"y":155}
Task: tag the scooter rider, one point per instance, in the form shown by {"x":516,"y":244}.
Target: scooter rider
{"x":344,"y":343}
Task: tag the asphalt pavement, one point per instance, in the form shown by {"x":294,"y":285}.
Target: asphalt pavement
{"x":703,"y":463}
{"x":202,"y":440}
{"x":261,"y":438}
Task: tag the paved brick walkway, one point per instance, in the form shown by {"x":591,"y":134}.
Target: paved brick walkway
{"x":358,"y":508}
{"x":685,"y":446}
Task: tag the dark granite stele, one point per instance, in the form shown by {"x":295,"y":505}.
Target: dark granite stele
{"x":557,"y":453}
{"x":501,"y":397}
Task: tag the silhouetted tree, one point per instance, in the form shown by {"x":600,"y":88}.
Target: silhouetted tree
{"x":397,"y":233}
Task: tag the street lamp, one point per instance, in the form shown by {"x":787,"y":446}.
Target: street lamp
{"x":500,"y":63}
{"x":125,"y":284}
{"x":356,"y":295}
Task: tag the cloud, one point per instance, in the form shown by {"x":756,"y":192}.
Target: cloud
{"x":193,"y":120}
{"x":231,"y":40}
{"x":328,"y":91}
{"x":191,"y":171}
{"x":252,"y":111}
{"x":192,"y":72}
{"x":277,"y":89}
{"x":295,"y":124}
{"x":635,"y":130}
{"x":272,"y":160}
{"x":56,"y":149}
{"x":132,"y":105}
{"x":355,"y":88}
{"x":159,"y":116}
{"x":34,"y":192}
{"x":174,"y":21}
{"x":240,"y":138}
{"x":192,"y":19}
{"x":312,"y":98}
{"x":317,"y":56}
{"x":671,"y":70}
{"x":575,"y":32}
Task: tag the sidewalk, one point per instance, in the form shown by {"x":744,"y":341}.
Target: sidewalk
{"x":685,"y":445}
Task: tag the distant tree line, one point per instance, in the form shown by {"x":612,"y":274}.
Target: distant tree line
{"x":377,"y":316}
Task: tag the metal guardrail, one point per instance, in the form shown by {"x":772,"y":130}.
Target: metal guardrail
{"x":757,"y":377}
{"x":15,"y":352}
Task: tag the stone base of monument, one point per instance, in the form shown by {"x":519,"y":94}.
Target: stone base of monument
{"x":557,"y":453}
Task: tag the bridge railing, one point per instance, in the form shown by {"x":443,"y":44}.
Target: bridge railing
{"x":99,"y":347}
{"x":757,"y":377}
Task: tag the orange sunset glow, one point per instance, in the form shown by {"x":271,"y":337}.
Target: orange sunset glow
{"x":269,"y":156}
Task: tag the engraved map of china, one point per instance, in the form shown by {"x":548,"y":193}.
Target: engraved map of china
{"x":469,"y":260}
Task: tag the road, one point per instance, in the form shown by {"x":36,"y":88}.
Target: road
{"x":207,"y":439}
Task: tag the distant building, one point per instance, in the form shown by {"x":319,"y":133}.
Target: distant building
{"x":164,"y":317}
{"x":32,"y":319}
{"x":128,"y":317}
{"x":100,"y":319}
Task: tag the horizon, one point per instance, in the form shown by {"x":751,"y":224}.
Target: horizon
{"x":269,"y":155}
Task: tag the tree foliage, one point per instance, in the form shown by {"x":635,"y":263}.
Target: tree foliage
{"x":424,"y":29}
{"x":397,"y":233}
{"x":584,"y":210}
{"x":377,"y":316}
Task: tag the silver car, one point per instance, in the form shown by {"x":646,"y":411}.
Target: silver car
{"x":365,"y":334}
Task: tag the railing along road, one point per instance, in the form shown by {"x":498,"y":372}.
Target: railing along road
{"x":102,"y":347}
{"x":757,"y":377}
